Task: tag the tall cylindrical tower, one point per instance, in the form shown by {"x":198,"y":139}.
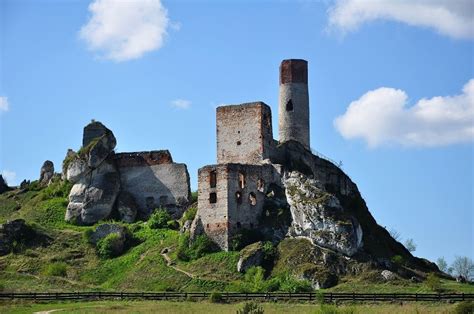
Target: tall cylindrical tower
{"x":294,"y":102}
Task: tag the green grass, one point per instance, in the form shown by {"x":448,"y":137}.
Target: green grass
{"x":141,"y":267}
{"x":218,"y":308}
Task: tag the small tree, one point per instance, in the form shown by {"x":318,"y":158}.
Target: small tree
{"x":432,"y":282}
{"x":442,"y":265}
{"x":395,"y":234}
{"x":410,"y":245}
{"x":159,"y":219}
{"x":463,"y":266}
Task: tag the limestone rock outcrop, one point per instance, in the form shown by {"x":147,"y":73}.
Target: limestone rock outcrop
{"x":47,"y":172}
{"x":319,"y":216}
{"x":250,"y":256}
{"x":125,"y":185}
{"x":16,"y":234}
{"x":3,"y":185}
{"x":96,"y":179}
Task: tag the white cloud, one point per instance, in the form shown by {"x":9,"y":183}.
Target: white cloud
{"x":454,"y":18}
{"x":381,"y":116}
{"x":124,"y":30}
{"x":181,"y":103}
{"x":4,"y":103}
{"x":9,"y":177}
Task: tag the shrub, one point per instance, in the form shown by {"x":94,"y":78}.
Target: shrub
{"x":465,"y":307}
{"x":58,"y":269}
{"x":251,"y":308}
{"x":194,"y":197}
{"x":189,"y":214}
{"x":216,"y":297}
{"x":255,"y":279}
{"x":269,"y":251}
{"x":433,"y":283}
{"x":110,"y":246}
{"x":159,"y":219}
{"x":172,"y":224}
{"x":398,"y":260}
{"x":201,"y":245}
{"x":290,"y":284}
{"x":86,"y":236}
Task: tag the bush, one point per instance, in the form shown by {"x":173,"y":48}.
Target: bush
{"x":398,"y":260}
{"x":251,"y":308}
{"x":58,"y":269}
{"x":189,"y":214}
{"x":194,"y":197}
{"x":216,"y":297}
{"x":255,"y":279}
{"x":110,"y":246}
{"x":159,"y":219}
{"x":87,"y":235}
{"x":465,"y":307}
{"x":433,"y":283}
{"x":201,"y":246}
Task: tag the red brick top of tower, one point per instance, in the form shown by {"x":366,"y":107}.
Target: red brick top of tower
{"x":294,"y":71}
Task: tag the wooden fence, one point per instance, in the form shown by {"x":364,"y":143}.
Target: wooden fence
{"x":235,"y":297}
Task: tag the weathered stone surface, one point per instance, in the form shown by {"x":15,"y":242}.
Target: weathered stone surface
{"x":95,"y":130}
{"x":47,"y":172}
{"x":127,"y":207}
{"x":251,"y":255}
{"x":104,"y":230}
{"x":93,"y":197}
{"x":319,"y":279}
{"x":186,"y":226}
{"x":387,"y":275}
{"x":15,"y":231}
{"x":318,"y":216}
{"x":24,"y":184}
{"x":76,"y":170}
{"x":164,"y":185}
{"x":3,"y":185}
{"x":100,"y":149}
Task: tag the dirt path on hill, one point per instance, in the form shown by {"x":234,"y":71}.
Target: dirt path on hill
{"x":170,"y":263}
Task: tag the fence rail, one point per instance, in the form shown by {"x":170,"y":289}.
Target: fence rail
{"x":234,"y":296}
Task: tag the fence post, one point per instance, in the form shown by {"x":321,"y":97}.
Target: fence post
{"x":353,"y":296}
{"x":121,"y":295}
{"x":330,"y":297}
{"x":310,"y":296}
{"x":416,"y":296}
{"x":463,"y":296}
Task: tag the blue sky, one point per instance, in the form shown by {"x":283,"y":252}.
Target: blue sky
{"x":154,"y":72}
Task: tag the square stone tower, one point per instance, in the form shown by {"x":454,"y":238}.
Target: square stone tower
{"x":244,"y":133}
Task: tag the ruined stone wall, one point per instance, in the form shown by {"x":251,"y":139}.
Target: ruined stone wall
{"x":244,"y":133}
{"x":231,"y":198}
{"x":212,"y":214}
{"x":154,"y":181}
{"x":247,"y":187}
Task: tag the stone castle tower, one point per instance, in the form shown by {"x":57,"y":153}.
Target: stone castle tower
{"x":232,"y":193}
{"x":294,"y":102}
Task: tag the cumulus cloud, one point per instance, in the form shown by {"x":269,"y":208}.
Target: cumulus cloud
{"x":454,"y":18}
{"x":4,"y":103}
{"x":124,"y":30}
{"x":381,"y":116}
{"x":181,"y":103}
{"x":9,"y":177}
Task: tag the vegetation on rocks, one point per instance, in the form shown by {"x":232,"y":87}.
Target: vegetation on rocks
{"x":76,"y":265}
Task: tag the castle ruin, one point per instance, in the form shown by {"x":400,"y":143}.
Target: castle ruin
{"x":232,"y":192}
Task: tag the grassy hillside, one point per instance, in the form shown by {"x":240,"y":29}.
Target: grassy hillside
{"x":68,"y":262}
